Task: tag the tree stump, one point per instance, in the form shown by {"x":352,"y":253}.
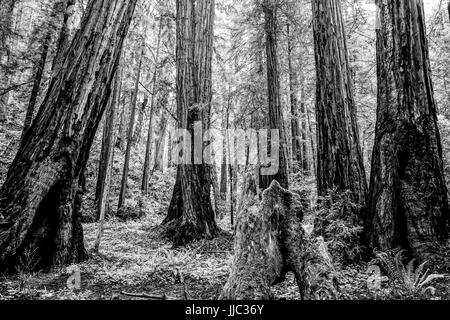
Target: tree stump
{"x":269,"y":243}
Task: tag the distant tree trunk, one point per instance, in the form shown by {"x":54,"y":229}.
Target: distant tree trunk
{"x":191,"y":215}
{"x":311,"y":139}
{"x":40,"y":67}
{"x":6,"y":14}
{"x":273,"y":85}
{"x":39,"y":200}
{"x":107,"y":150}
{"x":448,"y":9}
{"x":140,"y":121}
{"x":161,"y":142}
{"x":293,"y":87}
{"x":106,"y":159}
{"x":126,"y":165}
{"x":124,"y":119}
{"x":304,"y":133}
{"x":148,"y":150}
{"x":340,"y":162}
{"x":224,"y":167}
{"x":409,"y":203}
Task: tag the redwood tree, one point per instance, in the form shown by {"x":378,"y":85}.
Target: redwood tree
{"x":340,"y":162}
{"x":276,"y":121}
{"x":191,"y":214}
{"x":39,"y":201}
{"x":408,"y":195}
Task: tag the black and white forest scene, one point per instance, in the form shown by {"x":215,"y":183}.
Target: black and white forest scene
{"x":224,"y":150}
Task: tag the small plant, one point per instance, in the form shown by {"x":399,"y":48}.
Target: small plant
{"x":411,"y":279}
{"x":27,"y":264}
{"x":336,"y":220}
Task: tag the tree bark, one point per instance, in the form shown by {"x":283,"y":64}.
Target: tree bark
{"x":148,"y":150}
{"x":107,"y":150}
{"x":409,"y":202}
{"x":340,"y":163}
{"x":39,"y":200}
{"x":126,"y":165}
{"x":293,"y":87}
{"x":6,"y":14}
{"x":36,"y":83}
{"x":276,"y":121}
{"x":269,"y":243}
{"x":161,"y":143}
{"x":191,"y":215}
{"x":64,"y":37}
{"x":140,"y":121}
{"x":107,"y":160}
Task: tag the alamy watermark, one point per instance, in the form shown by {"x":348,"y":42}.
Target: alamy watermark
{"x":242,"y":147}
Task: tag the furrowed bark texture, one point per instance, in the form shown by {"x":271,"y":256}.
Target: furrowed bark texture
{"x":191,"y":214}
{"x":276,"y":121}
{"x":39,"y":201}
{"x":409,"y":202}
{"x":340,"y":162}
{"x":269,"y":243}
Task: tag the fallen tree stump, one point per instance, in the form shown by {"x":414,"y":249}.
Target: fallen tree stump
{"x":269,"y":243}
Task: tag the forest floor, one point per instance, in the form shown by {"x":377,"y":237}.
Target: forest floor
{"x":134,"y":258}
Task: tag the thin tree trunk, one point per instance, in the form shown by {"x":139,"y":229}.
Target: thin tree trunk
{"x":340,"y":163}
{"x":140,"y":122}
{"x":40,"y":199}
{"x":6,"y":14}
{"x":161,"y":143}
{"x":148,"y":150}
{"x":107,"y":149}
{"x":126,"y":165}
{"x":36,"y":83}
{"x":224,"y":167}
{"x":293,"y":87}
{"x":107,"y":160}
{"x":311,"y":140}
{"x":409,"y":202}
{"x":276,"y":121}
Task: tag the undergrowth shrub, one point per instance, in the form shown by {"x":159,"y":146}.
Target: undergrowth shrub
{"x":336,"y":220}
{"x":409,"y":279}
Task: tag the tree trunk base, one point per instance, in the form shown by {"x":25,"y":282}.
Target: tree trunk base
{"x":269,"y":243}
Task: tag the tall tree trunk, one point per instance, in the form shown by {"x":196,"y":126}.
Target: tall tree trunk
{"x":224,"y":168}
{"x":148,"y":150}
{"x":107,"y":149}
{"x":36,"y":83}
{"x":409,"y":203}
{"x":191,"y":215}
{"x":107,"y":159}
{"x":39,"y":199}
{"x":304,"y":132}
{"x":293,"y":87}
{"x":59,"y":15}
{"x":311,"y":139}
{"x":126,"y":165}
{"x":276,"y":121}
{"x":64,"y":37}
{"x":6,"y":14}
{"x":161,"y":142}
{"x":140,"y":121}
{"x":340,"y":163}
